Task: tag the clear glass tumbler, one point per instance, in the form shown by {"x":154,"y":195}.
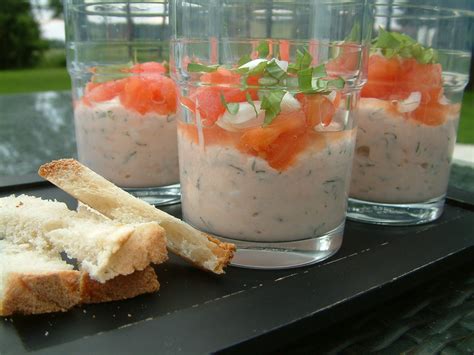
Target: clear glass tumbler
{"x":267,"y":134}
{"x":125,"y":104}
{"x":409,"y":111}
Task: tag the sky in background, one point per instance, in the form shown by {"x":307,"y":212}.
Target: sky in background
{"x":50,"y":28}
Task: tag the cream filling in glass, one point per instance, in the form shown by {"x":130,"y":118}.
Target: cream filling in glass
{"x":400,"y":160}
{"x":130,"y":149}
{"x":239,"y":196}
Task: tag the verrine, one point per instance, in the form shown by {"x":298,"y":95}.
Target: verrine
{"x":409,"y":111}
{"x":267,"y":133}
{"x":125,"y":105}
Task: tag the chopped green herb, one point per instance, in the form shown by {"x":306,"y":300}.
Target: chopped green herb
{"x":303,"y":61}
{"x":271,"y":103}
{"x":275,"y":70}
{"x":393,"y":43}
{"x":267,"y":81}
{"x":336,"y":84}
{"x":250,"y":101}
{"x":259,"y":69}
{"x":243,"y":70}
{"x":201,"y":68}
{"x":231,"y":107}
{"x":319,"y":71}
{"x":263,"y":49}
{"x":312,"y":80}
{"x":305,"y":79}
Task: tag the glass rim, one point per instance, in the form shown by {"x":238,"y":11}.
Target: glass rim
{"x":238,"y":40}
{"x":437,"y":12}
{"x":83,"y":8}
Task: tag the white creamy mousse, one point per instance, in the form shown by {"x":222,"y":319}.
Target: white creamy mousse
{"x":129,"y":149}
{"x":399,"y":160}
{"x":238,"y":196}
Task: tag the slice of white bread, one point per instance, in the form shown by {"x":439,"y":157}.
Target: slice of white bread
{"x":92,"y":189}
{"x":103,"y":248}
{"x":33,"y":282}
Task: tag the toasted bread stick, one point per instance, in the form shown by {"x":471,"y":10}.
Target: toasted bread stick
{"x":100,"y":194}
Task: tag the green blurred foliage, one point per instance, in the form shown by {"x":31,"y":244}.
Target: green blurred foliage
{"x":20,"y":38}
{"x":53,"y":58}
{"x":57,"y":7}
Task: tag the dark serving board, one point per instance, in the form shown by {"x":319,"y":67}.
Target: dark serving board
{"x":197,"y":312}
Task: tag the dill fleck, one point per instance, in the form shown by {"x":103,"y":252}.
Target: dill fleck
{"x":130,"y":156}
{"x":237,"y":168}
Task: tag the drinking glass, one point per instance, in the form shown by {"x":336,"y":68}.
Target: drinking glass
{"x":267,"y":132}
{"x":409,"y":111}
{"x":125,"y":104}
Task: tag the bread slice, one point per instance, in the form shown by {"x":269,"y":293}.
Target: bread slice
{"x":119,"y":288}
{"x":33,"y":282}
{"x":92,"y":189}
{"x":103,"y":248}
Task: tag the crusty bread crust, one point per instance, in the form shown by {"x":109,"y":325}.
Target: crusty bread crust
{"x":58,"y":291}
{"x":92,"y":189}
{"x":40,"y":292}
{"x":116,"y":249}
{"x":119,"y":288}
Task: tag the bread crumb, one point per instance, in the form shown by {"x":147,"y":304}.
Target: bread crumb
{"x":46,"y":333}
{"x":129,"y":315}
{"x":84,"y":311}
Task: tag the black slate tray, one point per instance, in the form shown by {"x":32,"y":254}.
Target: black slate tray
{"x":196,"y":312}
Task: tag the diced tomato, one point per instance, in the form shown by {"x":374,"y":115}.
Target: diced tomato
{"x":208,"y":98}
{"x":147,"y":91}
{"x":280,"y":142}
{"x":384,"y":77}
{"x":284,"y":150}
{"x":434,"y":114}
{"x":209,"y":103}
{"x":221,"y":76}
{"x":397,"y":78}
{"x":421,"y":75}
{"x":431,"y":115}
{"x":99,"y":92}
{"x":91,"y":86}
{"x":146,"y":94}
{"x":148,"y":67}
{"x":317,"y":108}
{"x":384,"y":69}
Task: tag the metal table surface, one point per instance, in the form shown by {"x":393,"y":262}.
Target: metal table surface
{"x":245,"y":310}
